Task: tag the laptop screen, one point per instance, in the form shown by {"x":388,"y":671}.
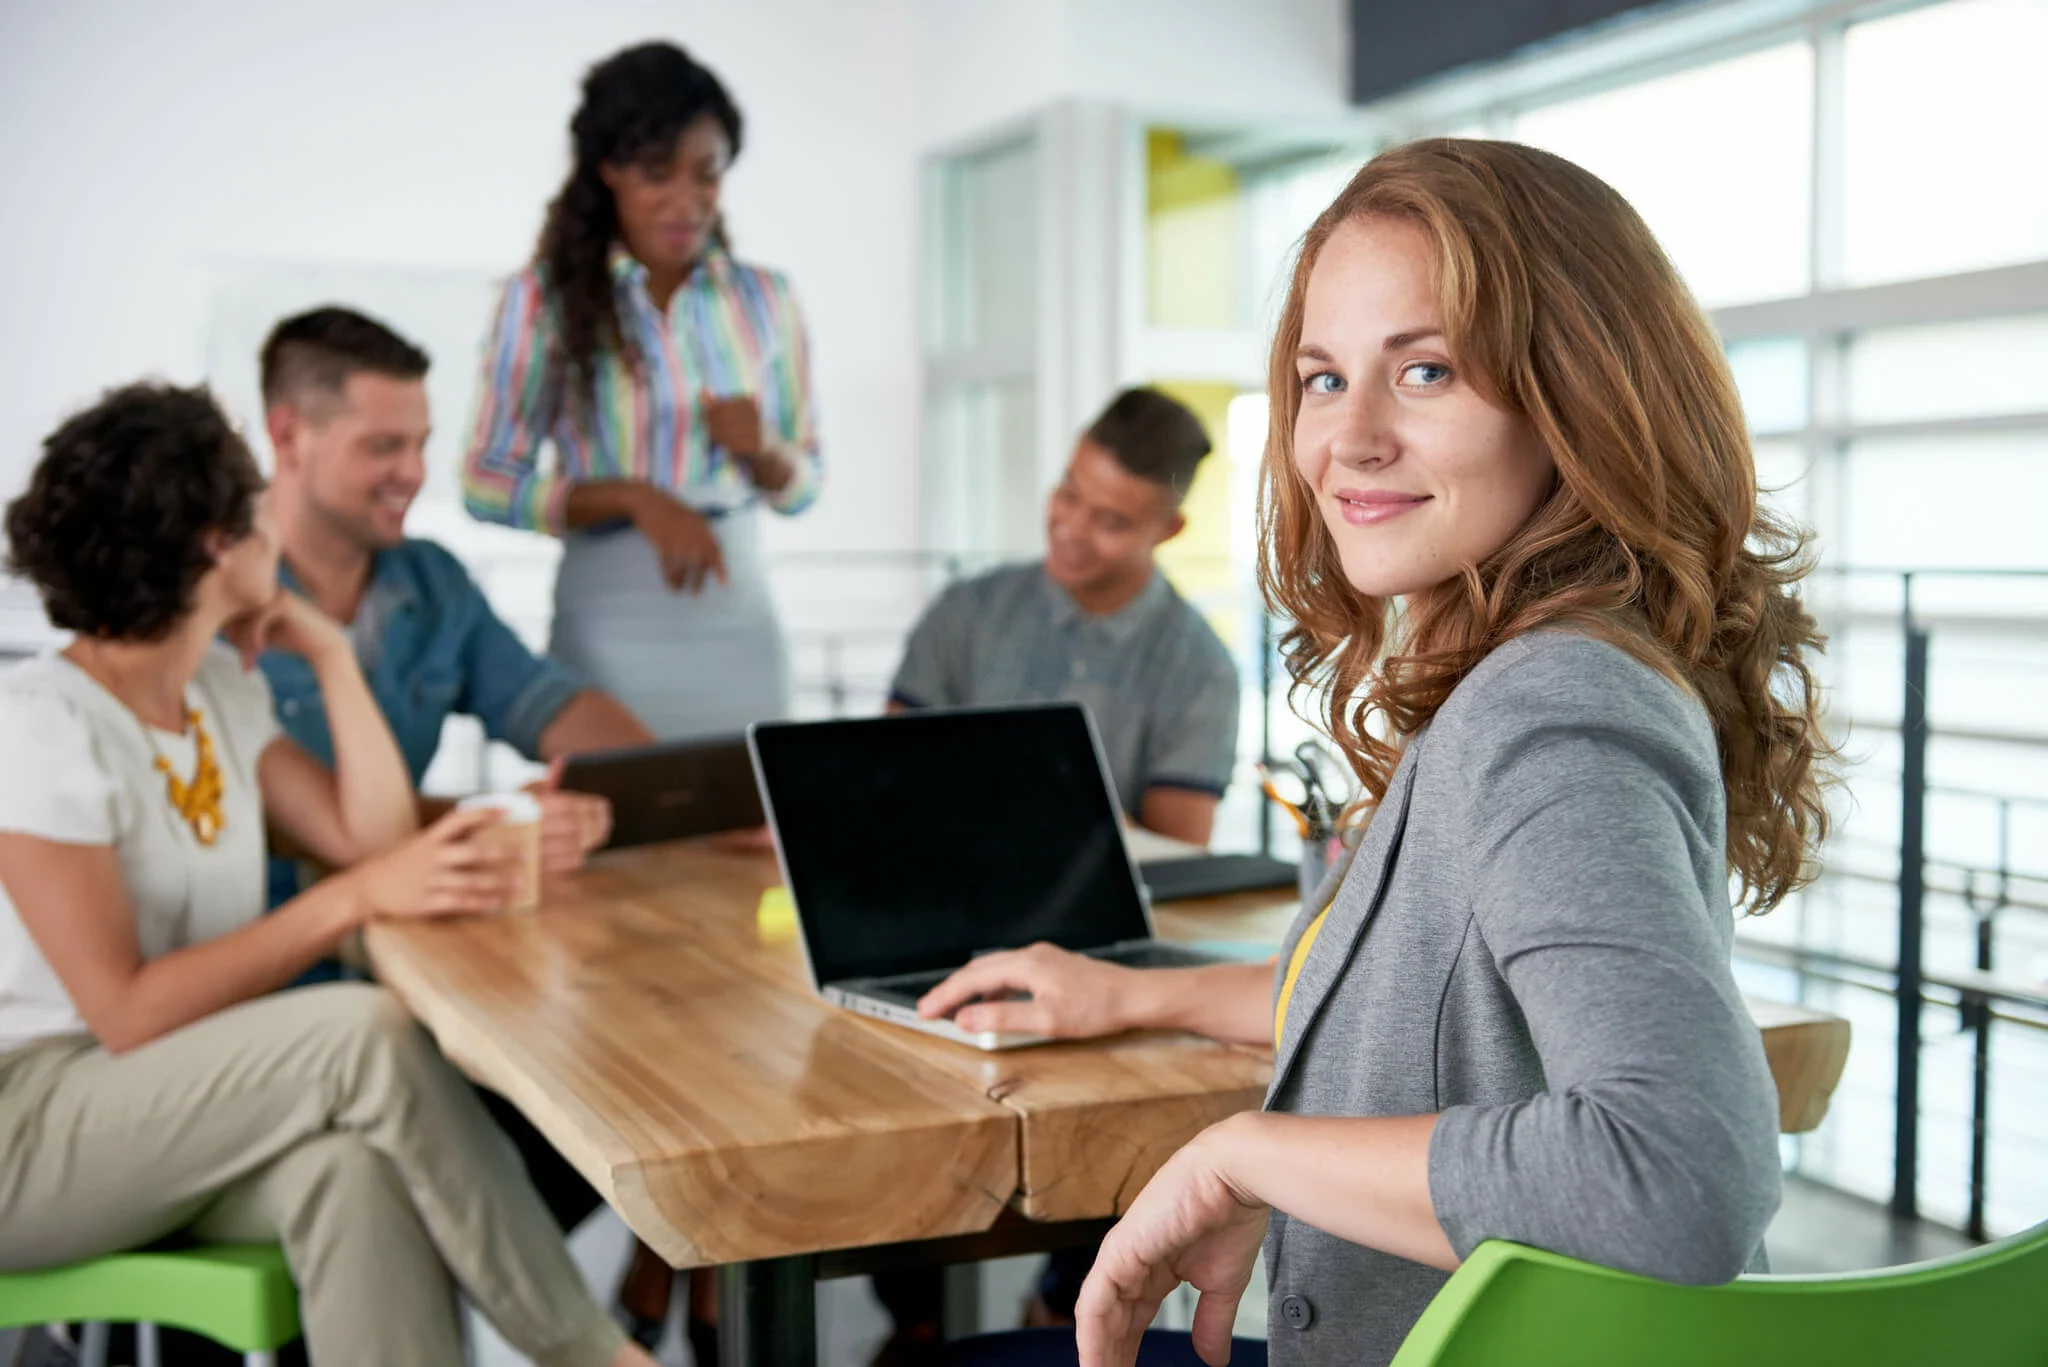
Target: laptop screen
{"x":914,"y":842}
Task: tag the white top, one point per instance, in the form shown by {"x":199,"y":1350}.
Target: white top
{"x":77,"y":766}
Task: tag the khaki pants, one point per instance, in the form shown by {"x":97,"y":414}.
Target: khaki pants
{"x":323,"y":1119}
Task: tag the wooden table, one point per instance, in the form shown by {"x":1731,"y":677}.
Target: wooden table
{"x":675,"y":1053}
{"x":672,"y":1049}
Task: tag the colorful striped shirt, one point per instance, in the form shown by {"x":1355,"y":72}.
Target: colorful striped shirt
{"x":730,"y":330}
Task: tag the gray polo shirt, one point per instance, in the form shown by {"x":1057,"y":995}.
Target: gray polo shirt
{"x":1161,"y":687}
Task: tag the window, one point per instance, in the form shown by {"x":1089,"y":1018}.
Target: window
{"x":981,"y":487}
{"x":1979,"y":368}
{"x":983,"y":364}
{"x":1717,"y":159}
{"x":1784,"y":479}
{"x":1771,"y":374}
{"x":1194,"y":228}
{"x":1945,"y":111}
{"x":1966,"y":501}
{"x":1224,"y":215}
{"x":1281,"y":203}
{"x":988,"y":237}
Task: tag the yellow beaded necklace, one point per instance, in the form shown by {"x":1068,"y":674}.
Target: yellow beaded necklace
{"x":199,"y":799}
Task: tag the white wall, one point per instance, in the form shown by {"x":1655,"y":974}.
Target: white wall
{"x":149,"y":148}
{"x":1263,"y":58}
{"x":174,"y":173}
{"x":981,"y":62}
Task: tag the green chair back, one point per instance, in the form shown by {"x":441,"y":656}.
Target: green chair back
{"x":1510,"y":1304}
{"x":239,"y":1295}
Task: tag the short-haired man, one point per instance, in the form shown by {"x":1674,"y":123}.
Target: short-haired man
{"x":345,"y":406}
{"x":1096,"y":622}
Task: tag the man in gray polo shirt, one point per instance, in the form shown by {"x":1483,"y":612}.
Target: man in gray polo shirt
{"x":1093,"y":622}
{"x":1096,"y":622}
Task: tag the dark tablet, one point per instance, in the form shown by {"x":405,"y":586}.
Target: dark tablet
{"x":673,"y":790}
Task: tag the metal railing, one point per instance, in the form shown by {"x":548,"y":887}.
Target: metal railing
{"x":1913,"y":984}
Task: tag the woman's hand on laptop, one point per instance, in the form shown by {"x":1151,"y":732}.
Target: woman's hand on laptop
{"x":1043,"y":990}
{"x":1049,"y":991}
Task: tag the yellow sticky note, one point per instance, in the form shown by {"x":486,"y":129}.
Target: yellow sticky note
{"x":775,"y":918}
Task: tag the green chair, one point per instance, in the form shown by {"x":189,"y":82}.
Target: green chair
{"x":239,"y":1295}
{"x":1987,"y":1307}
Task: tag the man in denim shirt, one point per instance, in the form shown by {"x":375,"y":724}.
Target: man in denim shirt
{"x":345,"y":404}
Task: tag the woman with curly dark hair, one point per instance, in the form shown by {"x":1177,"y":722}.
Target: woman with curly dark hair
{"x":1509,"y":506}
{"x":673,"y":383}
{"x":152,"y":1079}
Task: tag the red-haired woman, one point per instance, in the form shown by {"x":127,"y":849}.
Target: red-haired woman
{"x":1510,"y":507}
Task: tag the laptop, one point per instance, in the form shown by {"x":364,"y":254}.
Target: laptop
{"x":912,"y":843}
{"x":672,"y":790}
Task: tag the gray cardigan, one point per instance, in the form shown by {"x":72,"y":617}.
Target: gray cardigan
{"x":1533,"y":940}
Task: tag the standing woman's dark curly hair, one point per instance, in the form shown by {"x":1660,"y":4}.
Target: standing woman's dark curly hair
{"x":636,"y":106}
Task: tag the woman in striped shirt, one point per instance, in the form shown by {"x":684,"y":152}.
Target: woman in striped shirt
{"x":673,"y":383}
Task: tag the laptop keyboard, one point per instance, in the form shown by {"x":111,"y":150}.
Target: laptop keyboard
{"x":907,"y":989}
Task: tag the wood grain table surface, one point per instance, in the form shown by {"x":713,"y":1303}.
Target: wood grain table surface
{"x":667,"y":1041}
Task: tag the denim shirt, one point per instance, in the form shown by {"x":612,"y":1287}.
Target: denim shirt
{"x":429,"y":645}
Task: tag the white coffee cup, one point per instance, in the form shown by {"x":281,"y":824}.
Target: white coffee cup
{"x":518,"y":831}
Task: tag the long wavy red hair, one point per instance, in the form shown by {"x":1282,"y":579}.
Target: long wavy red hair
{"x":1558,"y":303}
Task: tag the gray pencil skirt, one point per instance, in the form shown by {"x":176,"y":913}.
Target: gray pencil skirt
{"x":689,"y":665}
